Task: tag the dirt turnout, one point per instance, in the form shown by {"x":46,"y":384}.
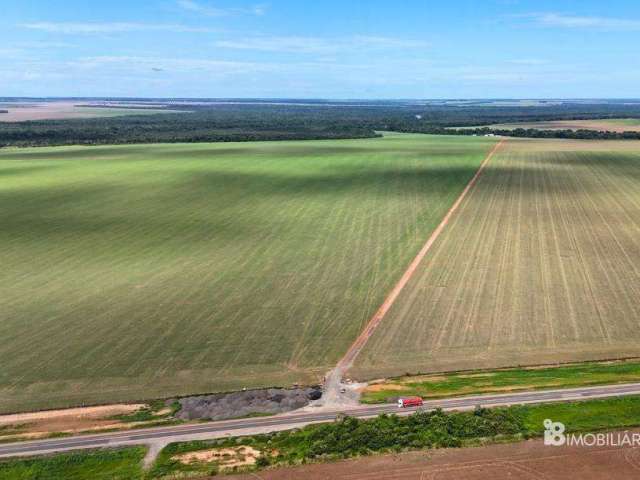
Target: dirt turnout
{"x":70,"y":420}
{"x":530,"y":460}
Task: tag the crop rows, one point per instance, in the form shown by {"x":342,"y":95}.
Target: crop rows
{"x":540,"y":265}
{"x":136,"y":272}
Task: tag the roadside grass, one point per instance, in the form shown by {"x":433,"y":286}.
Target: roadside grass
{"x":155,"y":411}
{"x":346,"y":438}
{"x":352,"y":437}
{"x":587,"y":416}
{"x":506,"y":380}
{"x":107,"y":464}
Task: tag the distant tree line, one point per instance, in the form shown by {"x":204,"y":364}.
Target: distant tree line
{"x":199,"y":126}
{"x":581,"y":134}
{"x":301,"y":121}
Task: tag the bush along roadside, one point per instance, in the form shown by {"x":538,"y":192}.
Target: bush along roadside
{"x":345,"y":438}
{"x":351,"y":437}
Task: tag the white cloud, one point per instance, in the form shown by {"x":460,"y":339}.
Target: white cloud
{"x":575,"y":21}
{"x":170,"y":64}
{"x":317,"y":45}
{"x":203,"y":9}
{"x":44,"y":45}
{"x":528,"y":62}
{"x":109,"y":27}
{"x":10,"y":52}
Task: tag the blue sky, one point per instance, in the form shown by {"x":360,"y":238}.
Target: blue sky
{"x":321,"y":49}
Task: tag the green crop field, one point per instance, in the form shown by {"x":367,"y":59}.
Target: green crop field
{"x":540,"y":265}
{"x":145,"y":271}
{"x":117,"y":464}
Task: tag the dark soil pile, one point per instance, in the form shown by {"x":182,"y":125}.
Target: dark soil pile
{"x":220,"y":406}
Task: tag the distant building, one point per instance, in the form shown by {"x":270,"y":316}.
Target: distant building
{"x":419,"y":117}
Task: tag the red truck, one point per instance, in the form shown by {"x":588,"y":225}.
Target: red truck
{"x":410,"y":402}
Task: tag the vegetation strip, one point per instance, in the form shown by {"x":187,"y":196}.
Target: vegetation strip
{"x":345,"y":438}
{"x":107,"y":464}
{"x":477,"y":382}
{"x":352,"y":437}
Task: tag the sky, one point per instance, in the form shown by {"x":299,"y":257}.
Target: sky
{"x":339,"y":49}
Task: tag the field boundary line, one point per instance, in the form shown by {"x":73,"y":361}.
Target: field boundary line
{"x":356,"y":347}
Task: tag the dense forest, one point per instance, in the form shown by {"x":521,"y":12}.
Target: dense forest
{"x":260,"y":120}
{"x":581,"y":134}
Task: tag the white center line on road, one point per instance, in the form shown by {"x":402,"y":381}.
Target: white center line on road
{"x":295,"y":420}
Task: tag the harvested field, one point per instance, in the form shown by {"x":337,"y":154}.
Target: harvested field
{"x":524,"y":460}
{"x":608,"y":124}
{"x":540,"y":265}
{"x":24,"y":111}
{"x":149,"y":271}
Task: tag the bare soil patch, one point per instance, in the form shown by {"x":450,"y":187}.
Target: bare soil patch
{"x":72,"y":420}
{"x":380,"y":387}
{"x":225,"y":458}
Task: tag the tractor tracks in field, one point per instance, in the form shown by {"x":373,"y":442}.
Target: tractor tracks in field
{"x":334,"y":390}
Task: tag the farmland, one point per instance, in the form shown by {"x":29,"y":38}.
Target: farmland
{"x":540,"y":265}
{"x":26,"y":111}
{"x":135,"y":272}
{"x":607,"y":124}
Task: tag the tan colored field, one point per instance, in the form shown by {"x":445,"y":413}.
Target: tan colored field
{"x":541,"y":264}
{"x":40,"y":424}
{"x":612,"y":125}
{"x":21,"y":112}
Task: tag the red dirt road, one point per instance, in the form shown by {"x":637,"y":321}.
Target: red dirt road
{"x":346,"y":361}
{"x":530,"y":460}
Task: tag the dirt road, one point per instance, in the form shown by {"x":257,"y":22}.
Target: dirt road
{"x":333,"y":395}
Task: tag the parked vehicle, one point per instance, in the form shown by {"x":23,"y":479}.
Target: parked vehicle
{"x":410,"y":402}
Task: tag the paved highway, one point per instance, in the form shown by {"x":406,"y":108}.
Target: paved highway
{"x":160,"y":436}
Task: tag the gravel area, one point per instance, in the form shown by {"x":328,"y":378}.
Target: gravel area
{"x":222,"y":406}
